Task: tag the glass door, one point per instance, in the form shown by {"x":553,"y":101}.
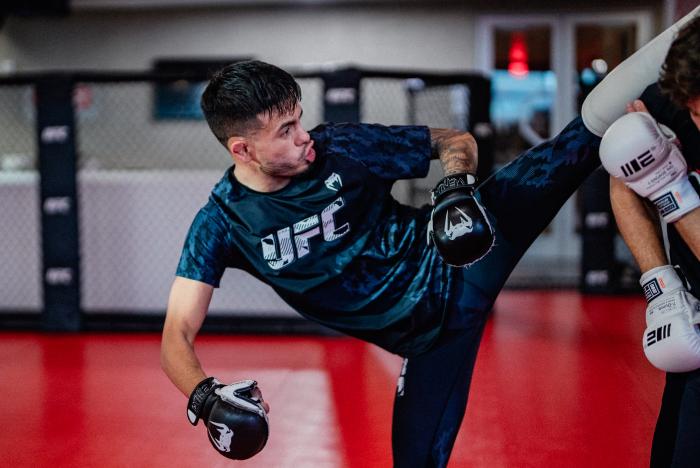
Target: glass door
{"x":540,"y":67}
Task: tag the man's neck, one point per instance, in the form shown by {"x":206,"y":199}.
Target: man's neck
{"x":259,"y":181}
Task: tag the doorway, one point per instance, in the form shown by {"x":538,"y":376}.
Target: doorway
{"x":540,"y":65}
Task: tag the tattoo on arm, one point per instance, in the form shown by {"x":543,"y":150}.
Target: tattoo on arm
{"x":456,"y":150}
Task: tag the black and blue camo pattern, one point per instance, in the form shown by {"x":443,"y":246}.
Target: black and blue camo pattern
{"x":204,"y":255}
{"x":407,"y":147}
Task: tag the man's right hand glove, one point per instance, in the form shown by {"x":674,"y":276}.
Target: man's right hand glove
{"x":672,"y":338}
{"x":458,"y":224}
{"x":234,"y":415}
{"x":645,"y":156}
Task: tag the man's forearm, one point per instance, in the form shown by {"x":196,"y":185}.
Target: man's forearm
{"x":689,"y":228}
{"x":179,"y":362}
{"x":456,"y":150}
{"x":187,"y":306}
{"x":637,"y":227}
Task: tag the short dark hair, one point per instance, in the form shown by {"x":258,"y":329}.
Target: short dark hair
{"x":239,"y":92}
{"x":680,"y":72}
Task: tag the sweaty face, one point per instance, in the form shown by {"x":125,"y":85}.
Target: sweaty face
{"x":694,"y":108}
{"x":282,"y":148}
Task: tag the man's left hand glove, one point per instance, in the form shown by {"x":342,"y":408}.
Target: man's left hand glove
{"x":672,"y":337}
{"x":458,"y":224}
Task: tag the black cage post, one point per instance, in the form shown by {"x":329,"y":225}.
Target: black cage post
{"x":341,"y":95}
{"x":598,"y":273}
{"x":58,"y":198}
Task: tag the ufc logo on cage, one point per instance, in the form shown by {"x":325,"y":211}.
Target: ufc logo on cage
{"x":279,"y":249}
{"x":637,"y":164}
{"x":54,"y":134}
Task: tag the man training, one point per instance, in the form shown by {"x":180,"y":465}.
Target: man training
{"x":311,"y":214}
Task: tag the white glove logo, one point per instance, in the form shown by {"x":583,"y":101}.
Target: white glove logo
{"x":636,"y":165}
{"x":464,"y":226}
{"x":658,"y":334}
{"x":223,"y":442}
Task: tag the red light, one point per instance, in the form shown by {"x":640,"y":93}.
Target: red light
{"x":517,"y":56}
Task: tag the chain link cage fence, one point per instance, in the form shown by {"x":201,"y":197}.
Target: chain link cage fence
{"x":20,"y":243}
{"x":411,"y":102}
{"x":146,"y":163}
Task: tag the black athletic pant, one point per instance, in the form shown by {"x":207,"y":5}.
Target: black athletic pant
{"x":677,"y":435}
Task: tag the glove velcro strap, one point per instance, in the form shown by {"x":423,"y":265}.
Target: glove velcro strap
{"x":660,"y":280}
{"x":453,"y":182}
{"x":239,"y":395}
{"x":198,"y":397}
{"x":676,"y":200}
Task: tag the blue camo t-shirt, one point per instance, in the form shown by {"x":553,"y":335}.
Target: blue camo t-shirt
{"x":333,"y":243}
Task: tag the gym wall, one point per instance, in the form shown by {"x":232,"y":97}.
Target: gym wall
{"x":415,"y":37}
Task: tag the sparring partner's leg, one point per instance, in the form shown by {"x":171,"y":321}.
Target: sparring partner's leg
{"x":687,"y":447}
{"x":678,"y":427}
{"x":667,"y":423}
{"x":625,"y":83}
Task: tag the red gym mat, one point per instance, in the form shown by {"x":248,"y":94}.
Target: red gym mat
{"x":561,"y":380}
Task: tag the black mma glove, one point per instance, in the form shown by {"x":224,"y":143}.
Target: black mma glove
{"x":458,"y":225}
{"x":235,"y":418}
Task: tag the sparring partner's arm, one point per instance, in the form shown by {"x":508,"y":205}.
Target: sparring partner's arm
{"x":458,"y":227}
{"x":670,"y":341}
{"x":688,"y":226}
{"x":637,"y":226}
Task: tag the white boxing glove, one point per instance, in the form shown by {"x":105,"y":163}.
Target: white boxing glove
{"x":672,"y":338}
{"x":645,"y":156}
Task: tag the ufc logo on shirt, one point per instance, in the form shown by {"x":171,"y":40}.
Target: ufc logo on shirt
{"x":289,"y":243}
{"x":637,"y":164}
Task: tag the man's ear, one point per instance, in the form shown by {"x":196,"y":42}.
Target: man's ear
{"x":239,"y":149}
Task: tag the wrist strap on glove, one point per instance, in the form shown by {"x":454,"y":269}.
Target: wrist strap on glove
{"x":465,"y":181}
{"x":199,"y":396}
{"x":660,"y":280}
{"x":676,"y":200}
{"x":239,"y":395}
